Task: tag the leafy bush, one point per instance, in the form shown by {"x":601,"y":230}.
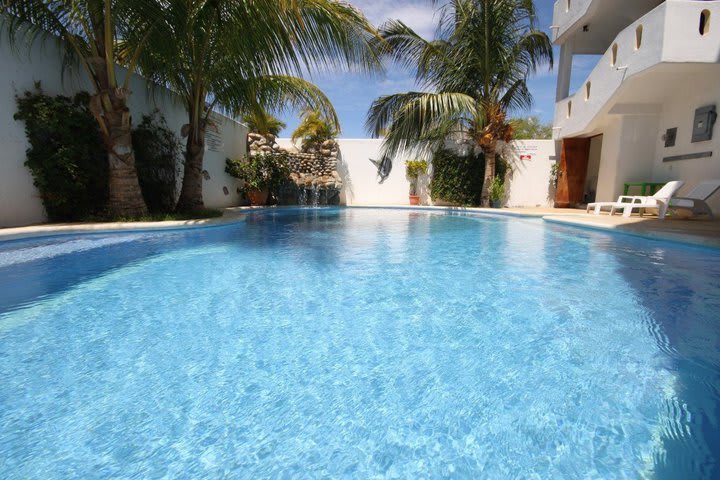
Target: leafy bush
{"x":413,"y":170}
{"x":260,"y":171}
{"x":66,"y":157}
{"x":457,"y":179}
{"x":157,"y":149}
{"x":497,"y":188}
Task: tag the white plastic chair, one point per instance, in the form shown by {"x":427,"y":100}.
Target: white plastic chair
{"x":628,"y":203}
{"x":696,"y":199}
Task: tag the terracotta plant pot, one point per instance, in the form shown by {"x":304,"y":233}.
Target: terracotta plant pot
{"x":258,"y":198}
{"x":414,"y":200}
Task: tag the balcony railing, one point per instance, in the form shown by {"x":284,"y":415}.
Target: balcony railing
{"x":567,"y":13}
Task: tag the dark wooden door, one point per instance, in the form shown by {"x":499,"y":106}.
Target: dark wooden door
{"x":574,"y":159}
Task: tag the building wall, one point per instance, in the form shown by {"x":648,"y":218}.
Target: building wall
{"x":19,"y":200}
{"x":628,"y":150}
{"x":633,"y":148}
{"x":529,"y":184}
{"x":647,"y":91}
{"x":679,"y":111}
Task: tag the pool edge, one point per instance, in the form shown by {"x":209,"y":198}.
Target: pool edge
{"x":234,"y":215}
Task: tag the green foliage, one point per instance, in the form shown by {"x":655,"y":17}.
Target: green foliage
{"x":239,"y":55}
{"x":66,"y":157}
{"x":497,"y":188}
{"x":260,"y":171}
{"x":531,"y":128}
{"x":262,"y":122}
{"x":555,"y":172}
{"x":472,"y":74}
{"x":314,"y":129}
{"x":457,"y":179}
{"x":502,"y":166}
{"x":157,"y":150}
{"x":415,"y":168}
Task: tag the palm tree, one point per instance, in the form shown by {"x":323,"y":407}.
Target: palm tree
{"x":476,"y":71}
{"x":90,"y":29}
{"x":243,"y":55}
{"x":261,"y":121}
{"x":315,"y":128}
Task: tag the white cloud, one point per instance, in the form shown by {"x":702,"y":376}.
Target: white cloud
{"x":418,"y":15}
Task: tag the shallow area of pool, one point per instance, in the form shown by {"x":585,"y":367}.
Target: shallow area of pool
{"x":358,"y":343}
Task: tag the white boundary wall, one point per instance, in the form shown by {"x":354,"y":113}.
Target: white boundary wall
{"x":19,"y":200}
{"x":528,"y":185}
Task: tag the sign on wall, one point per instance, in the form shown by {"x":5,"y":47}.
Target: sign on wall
{"x":526,"y":152}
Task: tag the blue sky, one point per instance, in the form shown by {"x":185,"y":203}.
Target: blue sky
{"x":352,"y":93}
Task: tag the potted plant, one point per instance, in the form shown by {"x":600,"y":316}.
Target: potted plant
{"x":261,"y":174}
{"x":497,"y":192}
{"x":413,"y":170}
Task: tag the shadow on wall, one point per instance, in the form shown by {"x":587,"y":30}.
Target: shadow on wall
{"x":347,"y":193}
{"x":423,"y":187}
{"x":551,"y":194}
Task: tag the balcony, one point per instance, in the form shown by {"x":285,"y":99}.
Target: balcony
{"x":645,"y":63}
{"x":590,"y":25}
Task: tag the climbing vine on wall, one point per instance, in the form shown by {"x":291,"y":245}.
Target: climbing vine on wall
{"x":66,"y":155}
{"x":157,"y":158}
{"x":457,"y":179}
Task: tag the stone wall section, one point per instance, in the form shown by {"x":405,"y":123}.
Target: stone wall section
{"x":314,"y":178}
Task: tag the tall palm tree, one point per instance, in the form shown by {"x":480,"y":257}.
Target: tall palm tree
{"x":240,"y":55}
{"x":476,"y":71}
{"x":90,"y":31}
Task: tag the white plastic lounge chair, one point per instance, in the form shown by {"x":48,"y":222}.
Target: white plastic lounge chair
{"x":695,"y":200}
{"x":627,"y":203}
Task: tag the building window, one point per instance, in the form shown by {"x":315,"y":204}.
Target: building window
{"x":613,"y":55}
{"x":705,"y":22}
{"x":638,"y":37}
{"x":567,"y":6}
{"x":569,"y":109}
{"x":587,"y":91}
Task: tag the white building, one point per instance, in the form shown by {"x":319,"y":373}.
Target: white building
{"x":646,"y":112}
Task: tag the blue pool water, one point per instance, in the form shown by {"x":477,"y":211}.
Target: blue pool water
{"x":352,"y":343}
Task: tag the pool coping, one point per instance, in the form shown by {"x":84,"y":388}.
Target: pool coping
{"x":52,"y":230}
{"x":585,"y":222}
{"x":233,"y":215}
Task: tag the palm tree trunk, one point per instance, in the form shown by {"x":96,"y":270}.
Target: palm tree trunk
{"x":490,"y":154}
{"x":125,"y":196}
{"x":191,"y":196}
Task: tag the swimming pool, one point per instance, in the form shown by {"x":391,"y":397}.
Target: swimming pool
{"x":359,"y":343}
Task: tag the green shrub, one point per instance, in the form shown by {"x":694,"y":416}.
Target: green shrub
{"x":413,"y":170}
{"x":157,"y":150}
{"x":497,"y":188}
{"x":260,"y":171}
{"x":66,"y":157}
{"x":457,"y":179}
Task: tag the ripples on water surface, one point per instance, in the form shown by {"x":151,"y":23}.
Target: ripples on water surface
{"x":360,"y":344}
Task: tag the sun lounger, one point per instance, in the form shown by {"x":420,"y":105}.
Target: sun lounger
{"x":696,"y":199}
{"x":628,"y":203}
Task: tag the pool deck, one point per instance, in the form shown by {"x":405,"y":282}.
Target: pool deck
{"x":696,"y":232}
